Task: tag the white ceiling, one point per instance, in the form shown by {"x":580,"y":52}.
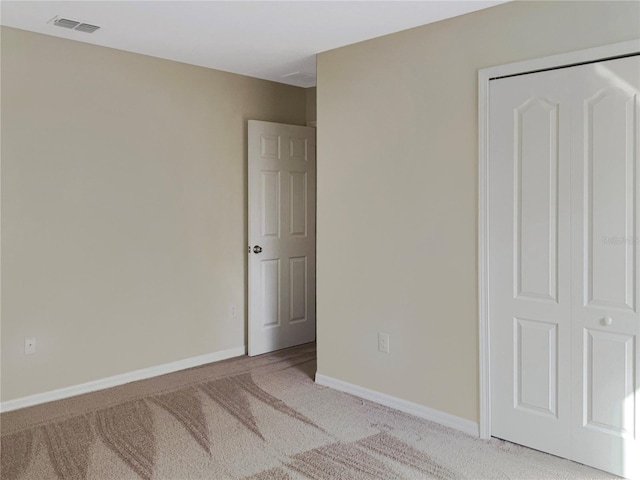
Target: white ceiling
{"x":263,"y":39}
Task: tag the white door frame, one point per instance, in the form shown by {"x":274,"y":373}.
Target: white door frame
{"x":484,"y":76}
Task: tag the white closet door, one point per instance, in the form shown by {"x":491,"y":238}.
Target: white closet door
{"x":605,"y":236}
{"x":564,"y":225}
{"x":529,"y":237}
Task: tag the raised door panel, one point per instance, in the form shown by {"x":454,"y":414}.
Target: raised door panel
{"x":298,"y":204}
{"x":298,"y":149}
{"x":536,"y":367}
{"x":270,"y":204}
{"x":610,"y":199}
{"x":609,"y":387}
{"x":298,"y":289}
{"x":270,"y":147}
{"x":536,"y":200}
{"x":270,"y":295}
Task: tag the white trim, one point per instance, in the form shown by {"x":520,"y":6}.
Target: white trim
{"x":462,"y":424}
{"x":484,"y":76}
{"x":121,"y":379}
{"x":483,"y":254}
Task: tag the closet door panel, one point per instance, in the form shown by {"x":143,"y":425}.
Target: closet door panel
{"x":530,"y":261}
{"x":605,"y":236}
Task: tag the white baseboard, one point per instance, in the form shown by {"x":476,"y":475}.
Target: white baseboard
{"x":467,"y":426}
{"x":121,"y":379}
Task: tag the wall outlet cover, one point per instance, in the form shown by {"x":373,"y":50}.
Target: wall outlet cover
{"x":383,"y":342}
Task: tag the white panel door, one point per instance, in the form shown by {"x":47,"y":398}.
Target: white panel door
{"x":530,"y":262}
{"x":605,"y":235}
{"x":563,"y":258}
{"x":282,"y":242}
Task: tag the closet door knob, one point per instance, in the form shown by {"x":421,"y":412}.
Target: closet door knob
{"x":607,"y":321}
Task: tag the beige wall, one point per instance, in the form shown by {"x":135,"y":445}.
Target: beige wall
{"x":311,"y":104}
{"x":123,"y":208}
{"x":397,"y":192}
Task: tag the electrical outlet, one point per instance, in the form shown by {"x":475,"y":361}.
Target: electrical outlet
{"x":29,"y":345}
{"x":383,"y":342}
{"x":233,"y":311}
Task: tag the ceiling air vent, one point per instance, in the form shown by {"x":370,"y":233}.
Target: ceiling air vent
{"x":74,"y":25}
{"x":85,"y":27}
{"x":65,"y":23}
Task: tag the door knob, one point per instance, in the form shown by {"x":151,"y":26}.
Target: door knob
{"x":257,"y":249}
{"x":607,"y":321}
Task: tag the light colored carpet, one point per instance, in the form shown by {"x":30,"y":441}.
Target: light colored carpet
{"x":251,"y":418}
